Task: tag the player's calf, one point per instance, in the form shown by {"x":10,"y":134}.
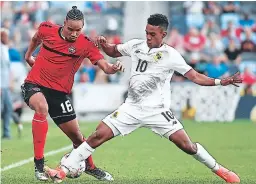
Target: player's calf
{"x":102,"y":134}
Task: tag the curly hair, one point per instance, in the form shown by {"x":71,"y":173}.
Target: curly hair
{"x":159,"y":20}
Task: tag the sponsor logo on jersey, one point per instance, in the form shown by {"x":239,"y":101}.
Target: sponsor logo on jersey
{"x":71,"y":49}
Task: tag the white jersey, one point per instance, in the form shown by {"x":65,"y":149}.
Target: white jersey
{"x":151,"y":73}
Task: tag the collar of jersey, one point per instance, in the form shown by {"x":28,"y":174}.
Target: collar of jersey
{"x":150,"y":49}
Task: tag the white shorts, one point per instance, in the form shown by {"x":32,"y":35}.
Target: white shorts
{"x":128,"y":118}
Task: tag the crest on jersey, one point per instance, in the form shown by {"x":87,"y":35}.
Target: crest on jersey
{"x":71,"y":49}
{"x":158,"y":56}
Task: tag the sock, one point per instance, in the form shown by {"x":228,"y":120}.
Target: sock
{"x":204,"y":157}
{"x":89,"y":159}
{"x":39,"y":130}
{"x":76,"y":156}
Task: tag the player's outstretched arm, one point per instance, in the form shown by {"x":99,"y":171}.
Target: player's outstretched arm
{"x":203,"y":80}
{"x":109,"y":49}
{"x":34,"y":43}
{"x":109,"y":68}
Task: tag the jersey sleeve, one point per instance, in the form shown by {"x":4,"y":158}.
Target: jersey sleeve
{"x":178,"y":63}
{"x":44,"y":29}
{"x":93,"y":53}
{"x":126,"y":48}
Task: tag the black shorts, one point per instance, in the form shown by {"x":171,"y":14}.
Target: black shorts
{"x":59,"y":103}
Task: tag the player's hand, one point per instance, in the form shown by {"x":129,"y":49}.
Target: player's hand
{"x":234,"y":80}
{"x":30,"y":60}
{"x":118,"y":66}
{"x":100,"y":40}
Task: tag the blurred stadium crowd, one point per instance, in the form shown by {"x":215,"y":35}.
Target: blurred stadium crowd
{"x":215,"y":38}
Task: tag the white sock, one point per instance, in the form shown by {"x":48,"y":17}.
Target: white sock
{"x":204,"y":157}
{"x":76,"y":156}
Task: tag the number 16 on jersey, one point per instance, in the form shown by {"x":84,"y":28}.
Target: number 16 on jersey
{"x":66,"y":107}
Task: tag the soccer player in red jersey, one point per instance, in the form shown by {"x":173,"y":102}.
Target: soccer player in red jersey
{"x":49,"y":83}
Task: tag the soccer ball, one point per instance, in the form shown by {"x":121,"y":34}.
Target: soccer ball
{"x":74,"y":173}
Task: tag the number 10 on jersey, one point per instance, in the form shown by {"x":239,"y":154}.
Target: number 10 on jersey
{"x":142,"y":66}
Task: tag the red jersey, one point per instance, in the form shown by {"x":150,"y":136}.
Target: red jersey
{"x":58,"y":60}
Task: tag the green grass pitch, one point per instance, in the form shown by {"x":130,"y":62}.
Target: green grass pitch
{"x":143,"y":157}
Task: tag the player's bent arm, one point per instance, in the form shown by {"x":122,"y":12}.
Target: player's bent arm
{"x":200,"y":79}
{"x":111,"y":50}
{"x":106,"y":66}
{"x":34,"y":43}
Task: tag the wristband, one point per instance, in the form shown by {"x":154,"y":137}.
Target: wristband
{"x":217,"y":82}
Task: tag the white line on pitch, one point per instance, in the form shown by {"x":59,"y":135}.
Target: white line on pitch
{"x":23,"y":162}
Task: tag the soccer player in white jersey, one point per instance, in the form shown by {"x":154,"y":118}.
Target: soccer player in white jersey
{"x":148,"y":101}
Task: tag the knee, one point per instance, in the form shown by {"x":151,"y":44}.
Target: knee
{"x":41,"y":108}
{"x":189,"y":148}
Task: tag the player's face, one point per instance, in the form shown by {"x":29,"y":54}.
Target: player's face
{"x":155,"y":35}
{"x":72,"y":29}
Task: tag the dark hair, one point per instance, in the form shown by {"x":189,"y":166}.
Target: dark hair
{"x":75,"y":14}
{"x":158,"y":20}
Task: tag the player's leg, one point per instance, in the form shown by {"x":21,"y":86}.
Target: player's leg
{"x":6,"y":106}
{"x":168,"y":126}
{"x":111,"y":126}
{"x":84,"y":151}
{"x":182,"y":140}
{"x":36,"y":100}
{"x":62,"y":112}
{"x":16,"y":115}
{"x":71,"y":129}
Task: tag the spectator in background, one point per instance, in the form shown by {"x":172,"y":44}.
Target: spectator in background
{"x":31,"y":32}
{"x":86,"y":73}
{"x":248,"y":77}
{"x":7,"y":24}
{"x":248,"y":91}
{"x":194,"y":59}
{"x":230,"y":7}
{"x":248,"y":45}
{"x":194,"y":13}
{"x":232,"y":53}
{"x":249,"y":34}
{"x":101,"y":77}
{"x":211,"y":8}
{"x":188,"y":112}
{"x":14,"y":53}
{"x":217,"y":68}
{"x":213,"y":47}
{"x":231,"y":31}
{"x":194,"y":41}
{"x":175,"y":40}
{"x":24,"y":12}
{"x":6,"y":104}
{"x":246,"y":21}
{"x":210,"y":27}
{"x":112,"y":36}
